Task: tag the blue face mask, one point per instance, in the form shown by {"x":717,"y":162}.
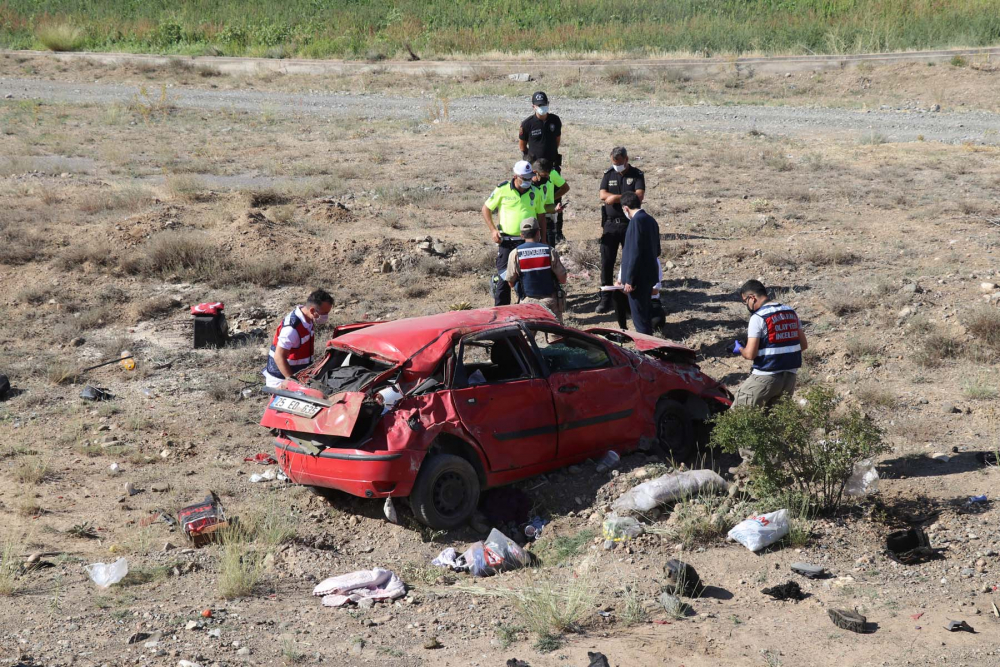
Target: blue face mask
{"x":542,"y":110}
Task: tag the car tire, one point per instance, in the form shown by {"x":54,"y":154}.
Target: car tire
{"x":446,"y":492}
{"x":674,"y":431}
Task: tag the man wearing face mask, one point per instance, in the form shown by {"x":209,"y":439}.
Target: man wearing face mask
{"x":541,"y":132}
{"x":553,"y":186}
{"x":292,"y":347}
{"x":640,"y":268}
{"x":775,"y":343}
{"x":622,"y":177}
{"x":514,"y":200}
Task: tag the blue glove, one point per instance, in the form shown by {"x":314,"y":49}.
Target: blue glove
{"x":737,"y":347}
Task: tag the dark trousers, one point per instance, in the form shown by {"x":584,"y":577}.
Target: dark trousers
{"x":555,"y":230}
{"x":612,"y":238}
{"x":623,"y":310}
{"x":501,"y":291}
{"x":640,"y":300}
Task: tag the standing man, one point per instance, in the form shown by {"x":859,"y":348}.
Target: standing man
{"x":515,"y":200}
{"x":775,"y":342}
{"x":541,"y":132}
{"x":538,"y":268}
{"x":640,"y":267}
{"x":292,"y":347}
{"x":618,"y":180}
{"x":554,"y":186}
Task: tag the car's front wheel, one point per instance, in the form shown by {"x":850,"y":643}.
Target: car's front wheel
{"x":446,"y":492}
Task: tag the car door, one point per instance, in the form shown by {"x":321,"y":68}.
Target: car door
{"x":503,"y":400}
{"x":595,"y":394}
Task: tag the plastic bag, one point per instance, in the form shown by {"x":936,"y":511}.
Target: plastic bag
{"x":863,"y":480}
{"x":105,"y":575}
{"x":621,"y":528}
{"x":496,"y":554}
{"x":758,"y":532}
{"x":668,"y":488}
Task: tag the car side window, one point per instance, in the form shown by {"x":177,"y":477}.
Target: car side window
{"x":490,"y":360}
{"x":564,"y":351}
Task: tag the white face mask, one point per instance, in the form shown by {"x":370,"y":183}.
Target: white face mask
{"x":619,"y":167}
{"x":541,"y":111}
{"x":525,"y":184}
{"x":322,"y":319}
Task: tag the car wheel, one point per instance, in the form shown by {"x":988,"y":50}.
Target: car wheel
{"x":446,"y":492}
{"x":674,"y":431}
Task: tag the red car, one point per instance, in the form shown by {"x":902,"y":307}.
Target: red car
{"x":438,"y":408}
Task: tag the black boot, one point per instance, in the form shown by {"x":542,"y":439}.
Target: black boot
{"x":605,"y":305}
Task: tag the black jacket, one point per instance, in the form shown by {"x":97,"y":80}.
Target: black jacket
{"x":642,"y":247}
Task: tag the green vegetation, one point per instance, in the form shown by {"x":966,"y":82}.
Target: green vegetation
{"x":810,"y":447}
{"x":434,"y":28}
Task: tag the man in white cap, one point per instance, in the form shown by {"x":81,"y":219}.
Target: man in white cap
{"x":536,"y":265}
{"x":514,"y":200}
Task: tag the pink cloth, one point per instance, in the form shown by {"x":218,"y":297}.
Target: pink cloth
{"x":376,"y":584}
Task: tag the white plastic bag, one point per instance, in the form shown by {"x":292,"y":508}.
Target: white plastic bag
{"x":104,"y":575}
{"x":863,"y":480}
{"x":758,"y":532}
{"x":668,"y":488}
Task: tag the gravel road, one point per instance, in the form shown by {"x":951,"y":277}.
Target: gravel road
{"x":894,"y":125}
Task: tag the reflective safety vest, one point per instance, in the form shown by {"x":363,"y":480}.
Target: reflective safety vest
{"x":299,"y":357}
{"x":780,"y":348}
{"x":534,"y":260}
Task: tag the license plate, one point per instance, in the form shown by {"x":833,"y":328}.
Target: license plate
{"x":295,"y":407}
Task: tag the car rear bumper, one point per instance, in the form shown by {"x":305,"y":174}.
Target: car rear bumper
{"x":363,"y":473}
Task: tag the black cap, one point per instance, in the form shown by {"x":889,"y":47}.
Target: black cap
{"x":539,"y":99}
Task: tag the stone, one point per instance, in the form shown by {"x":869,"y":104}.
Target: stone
{"x":243,"y":651}
{"x":520,"y":77}
{"x":160,"y":487}
{"x":910,"y":288}
{"x":108,"y":441}
{"x":78,"y":341}
{"x":366,"y":603}
{"x":381,"y":620}
{"x":215,"y":632}
{"x":987,"y":287}
{"x":168,"y":546}
{"x":192,"y":625}
{"x":440,"y":248}
{"x":905,"y":312}
{"x":669,"y":265}
{"x":130,"y":489}
{"x":672,"y":605}
{"x":432,"y":643}
{"x":357,"y":647}
{"x":949,"y":408}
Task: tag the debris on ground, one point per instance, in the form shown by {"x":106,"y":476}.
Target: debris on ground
{"x":534,"y":528}
{"x":987,"y":458}
{"x":609,"y":461}
{"x":210,"y":326}
{"x":389,"y":510}
{"x":910,"y":547}
{"x":682,"y":579}
{"x":104,"y":574}
{"x":789,"y":590}
{"x":598,"y":660}
{"x":977,"y":500}
{"x":483,"y":559}
{"x":514,"y":662}
{"x":810,"y":571}
{"x":941,"y":457}
{"x":848,"y":620}
{"x":863,"y":479}
{"x":268,"y":476}
{"x":758,"y":532}
{"x":451,"y":559}
{"x":202,"y":520}
{"x":262,"y":458}
{"x":620,"y":529}
{"x":91,"y":393}
{"x":669,"y":488}
{"x":959,"y":626}
{"x":376,"y":584}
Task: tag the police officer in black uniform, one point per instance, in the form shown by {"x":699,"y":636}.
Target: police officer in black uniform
{"x":622,"y":177}
{"x":541,"y":133}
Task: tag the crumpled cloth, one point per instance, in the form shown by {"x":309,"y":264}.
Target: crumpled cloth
{"x":376,"y":584}
{"x":450,"y":558}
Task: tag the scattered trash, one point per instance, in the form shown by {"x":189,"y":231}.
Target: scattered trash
{"x":668,"y":488}
{"x":810,"y":571}
{"x":609,"y":461}
{"x":977,"y":500}
{"x":621,"y":528}
{"x":268,"y":476}
{"x":449,"y":558}
{"x":158,"y":515}
{"x":682,"y":579}
{"x":534,"y":528}
{"x":758,"y":532}
{"x":483,"y":559}
{"x":942,"y":457}
{"x":673,"y":605}
{"x":201,"y":520}
{"x":389,"y":510}
{"x":91,"y":393}
{"x":114,"y":469}
{"x":263,"y":459}
{"x":126,"y":361}
{"x":863,"y":480}
{"x":598,"y":660}
{"x":376,"y":584}
{"x":206,"y":613}
{"x":848,"y":620}
{"x":987,"y":458}
{"x":916,"y":617}
{"x":105,"y":575}
{"x":789,"y":590}
{"x":910,"y":547}
{"x":956,"y":626}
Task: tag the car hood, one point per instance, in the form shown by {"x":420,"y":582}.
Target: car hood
{"x":645,"y":343}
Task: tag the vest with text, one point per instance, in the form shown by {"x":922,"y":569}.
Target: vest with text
{"x":535,"y":263}
{"x":780,"y":348}
{"x":299,"y":357}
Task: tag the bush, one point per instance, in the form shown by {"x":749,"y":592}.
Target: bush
{"x":984,"y":324}
{"x":806,"y":447}
{"x":60,"y":37}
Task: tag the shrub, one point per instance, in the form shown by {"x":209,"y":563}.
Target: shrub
{"x":807,"y":447}
{"x":984,"y":324}
{"x":60,"y":36}
{"x":19,"y":246}
{"x":935,"y":348}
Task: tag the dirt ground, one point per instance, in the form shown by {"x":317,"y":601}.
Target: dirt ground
{"x":118,"y":217}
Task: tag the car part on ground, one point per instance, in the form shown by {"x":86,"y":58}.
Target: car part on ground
{"x":911,"y":547}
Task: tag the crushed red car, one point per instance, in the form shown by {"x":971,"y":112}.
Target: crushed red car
{"x":439,"y":408}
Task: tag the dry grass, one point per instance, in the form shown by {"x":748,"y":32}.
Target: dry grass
{"x":185,"y":187}
{"x":984,"y":324}
{"x":859,"y":347}
{"x":94,"y":253}
{"x":241,"y":565}
{"x":57,"y":36}
{"x":60,"y":372}
{"x":10,"y":566}
{"x":32,"y":470}
{"x":935,"y":348}
{"x":876,"y":395}
{"x":825,"y":255}
{"x":152,"y":307}
{"x":19,"y":246}
{"x":119,"y":198}
{"x":844,"y":301}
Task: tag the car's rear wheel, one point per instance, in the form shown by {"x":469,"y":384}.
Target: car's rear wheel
{"x":446,"y":492}
{"x":674,"y":431}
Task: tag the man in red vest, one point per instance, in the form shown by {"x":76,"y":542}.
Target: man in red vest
{"x":292,"y":346}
